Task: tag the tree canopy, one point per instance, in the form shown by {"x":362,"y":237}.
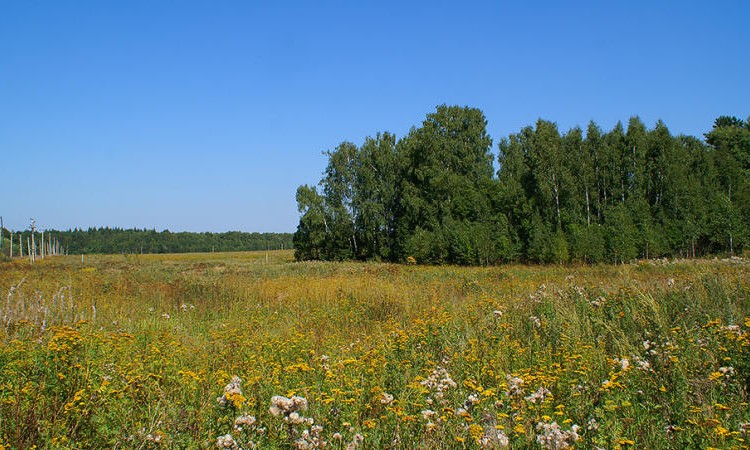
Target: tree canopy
{"x":434,"y":195}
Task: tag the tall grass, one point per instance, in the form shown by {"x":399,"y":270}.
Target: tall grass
{"x":136,"y":352}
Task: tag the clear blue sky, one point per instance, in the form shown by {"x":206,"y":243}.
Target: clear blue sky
{"x":207,"y":115}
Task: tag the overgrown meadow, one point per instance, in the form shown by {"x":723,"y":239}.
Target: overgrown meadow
{"x":246,"y":350}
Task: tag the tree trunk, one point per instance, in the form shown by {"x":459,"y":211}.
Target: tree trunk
{"x":557,"y":201}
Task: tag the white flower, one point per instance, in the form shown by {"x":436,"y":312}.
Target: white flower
{"x":538,"y":396}
{"x":244,"y":420}
{"x":493,"y":438}
{"x":233,"y":388}
{"x":226,"y":441}
{"x":552,"y":437}
{"x":427,"y":413}
{"x":515,"y":385}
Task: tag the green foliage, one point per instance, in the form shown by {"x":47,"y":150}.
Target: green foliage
{"x":132,"y":241}
{"x":607,"y":196}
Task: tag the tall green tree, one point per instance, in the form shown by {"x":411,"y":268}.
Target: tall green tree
{"x":730,"y":141}
{"x":313,"y":230}
{"x":447,"y":168}
{"x":376,"y":194}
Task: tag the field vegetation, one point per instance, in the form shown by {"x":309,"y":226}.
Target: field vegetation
{"x":249,"y":349}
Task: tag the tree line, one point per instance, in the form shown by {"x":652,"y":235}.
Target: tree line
{"x":435,"y":195}
{"x":117,"y":240}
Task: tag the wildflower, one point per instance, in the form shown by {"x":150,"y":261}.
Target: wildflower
{"x":439,"y":382}
{"x":232,"y":394}
{"x":294,"y":418}
{"x":356,"y":441}
{"x":155,"y":438}
{"x":624,"y":363}
{"x":286,"y":406}
{"x":552,"y":437}
{"x":538,"y":396}
{"x":427,"y":413}
{"x":166,"y":316}
{"x":244,"y":420}
{"x":498,"y":313}
{"x":226,"y":441}
{"x":515,"y":385}
{"x":592,"y":425}
{"x":311,"y":439}
{"x":745,"y":428}
{"x":642,"y":364}
{"x":337,"y":436}
{"x":493,"y":439}
{"x":536,"y":321}
{"x":386,"y":399}
{"x":670,"y":282}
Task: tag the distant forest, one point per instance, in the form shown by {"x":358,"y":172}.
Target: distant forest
{"x":117,"y":240}
{"x":434,"y":196}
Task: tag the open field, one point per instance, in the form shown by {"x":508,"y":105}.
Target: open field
{"x":140,"y":352}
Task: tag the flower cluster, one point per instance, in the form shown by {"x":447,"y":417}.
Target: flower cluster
{"x":552,"y":437}
{"x":232,"y":394}
{"x":289,"y":408}
{"x":438,"y":383}
{"x":493,"y":438}
{"x":226,"y":441}
{"x":515,"y":385}
{"x":311,"y":438}
{"x":538,"y":396}
{"x":244,"y":420}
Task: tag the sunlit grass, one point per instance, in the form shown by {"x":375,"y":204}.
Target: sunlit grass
{"x":140,"y":351}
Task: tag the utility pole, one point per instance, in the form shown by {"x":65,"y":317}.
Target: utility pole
{"x":1,"y":235}
{"x":32,"y":252}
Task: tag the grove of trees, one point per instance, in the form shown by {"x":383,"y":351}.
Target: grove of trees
{"x":118,"y":240}
{"x":434,"y":195}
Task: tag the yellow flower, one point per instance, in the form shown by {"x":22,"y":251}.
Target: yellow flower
{"x":476,"y":431}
